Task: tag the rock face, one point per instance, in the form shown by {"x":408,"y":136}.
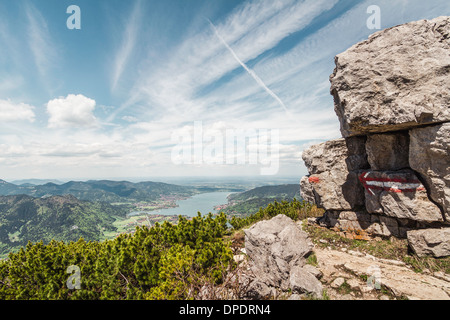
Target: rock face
{"x":388,"y":151}
{"x":277,"y":250}
{"x":434,"y":242}
{"x":429,"y":156}
{"x":390,"y":173}
{"x":334,"y":167}
{"x":395,"y":80}
{"x":398,"y":194}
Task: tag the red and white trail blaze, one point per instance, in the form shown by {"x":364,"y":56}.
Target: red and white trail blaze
{"x":394,"y":184}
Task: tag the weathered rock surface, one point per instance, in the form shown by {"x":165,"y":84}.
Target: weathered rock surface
{"x":340,"y":154}
{"x":302,"y":281}
{"x":388,"y":151}
{"x":399,"y":194}
{"x":361,"y":225}
{"x":391,"y":95}
{"x":429,"y":155}
{"x":391,"y":274}
{"x":395,"y":80}
{"x":307,"y":190}
{"x":277,"y":251}
{"x":434,"y":242}
{"x":258,"y":290}
{"x":333,"y":165}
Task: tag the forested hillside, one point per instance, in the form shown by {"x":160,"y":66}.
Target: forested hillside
{"x":62,"y":218}
{"x":281,"y":192}
{"x":249,"y":202}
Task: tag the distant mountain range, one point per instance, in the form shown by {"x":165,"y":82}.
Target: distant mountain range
{"x":103,"y":190}
{"x":36,"y":181}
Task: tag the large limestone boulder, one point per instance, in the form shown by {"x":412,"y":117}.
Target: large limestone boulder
{"x":398,"y":194}
{"x":333,"y":167}
{"x":390,"y":174}
{"x":395,"y":80}
{"x":429,"y":155}
{"x":277,"y":251}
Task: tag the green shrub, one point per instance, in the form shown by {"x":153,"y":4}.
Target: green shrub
{"x":294,"y":210}
{"x":151,"y":263}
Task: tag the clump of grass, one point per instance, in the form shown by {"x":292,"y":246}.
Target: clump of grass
{"x":344,"y":288}
{"x":420,"y":264}
{"x":312,"y":260}
{"x":332,"y":239}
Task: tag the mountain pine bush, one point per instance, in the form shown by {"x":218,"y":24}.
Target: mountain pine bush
{"x":294,"y":209}
{"x":153,"y":263}
{"x":166,"y":261}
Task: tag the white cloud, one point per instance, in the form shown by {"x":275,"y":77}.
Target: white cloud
{"x":252,"y":29}
{"x":127,"y":46}
{"x":72,"y":111}
{"x":130,"y":119}
{"x":40,"y":41}
{"x":251,"y":72}
{"x":12,"y":112}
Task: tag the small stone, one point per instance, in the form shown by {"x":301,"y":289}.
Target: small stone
{"x":258,"y":290}
{"x":302,"y":281}
{"x":366,"y":289}
{"x":354,"y":284}
{"x":392,"y":262}
{"x":238,"y":258}
{"x":337,"y":282}
{"x":313,"y":270}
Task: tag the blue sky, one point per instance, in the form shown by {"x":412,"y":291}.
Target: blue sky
{"x":115,"y":98}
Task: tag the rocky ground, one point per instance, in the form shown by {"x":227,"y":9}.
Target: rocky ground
{"x":352,"y":275}
{"x":343,"y":272}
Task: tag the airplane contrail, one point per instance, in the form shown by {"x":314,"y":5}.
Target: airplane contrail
{"x":250,"y":72}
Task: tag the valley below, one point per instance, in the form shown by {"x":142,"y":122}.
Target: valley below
{"x":102,"y":210}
